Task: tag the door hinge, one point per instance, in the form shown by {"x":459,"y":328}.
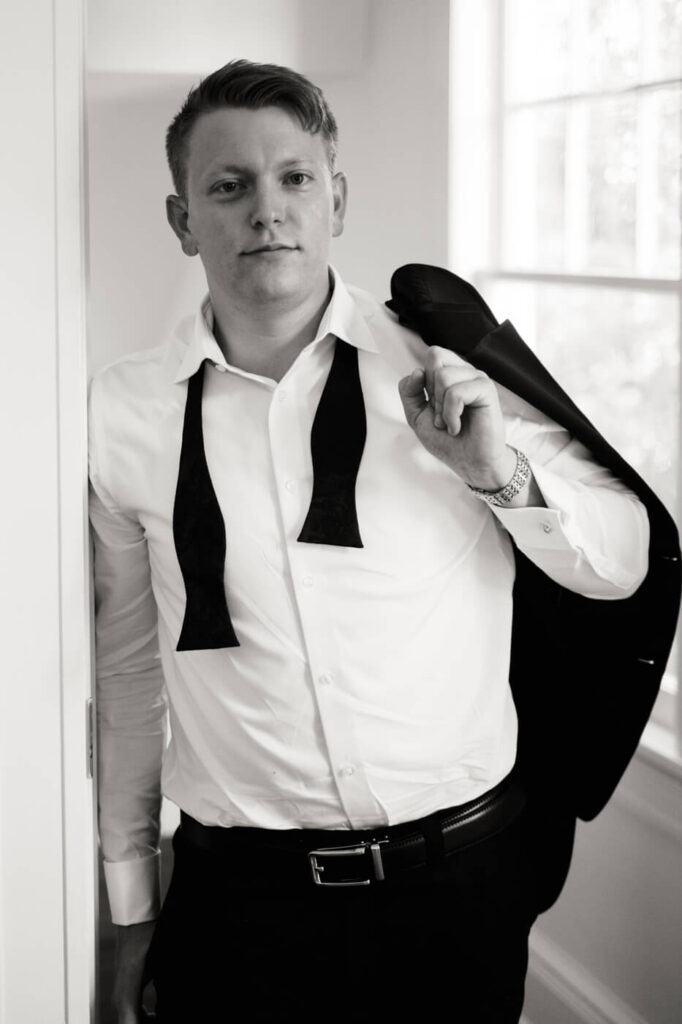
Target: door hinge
{"x":89,"y":738}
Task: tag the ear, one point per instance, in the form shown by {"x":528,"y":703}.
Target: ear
{"x":177,"y":214}
{"x":340,"y":196}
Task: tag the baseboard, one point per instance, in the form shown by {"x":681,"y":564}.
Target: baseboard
{"x":559,"y":990}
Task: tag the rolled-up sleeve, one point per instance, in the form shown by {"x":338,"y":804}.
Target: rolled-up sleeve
{"x":131,"y":705}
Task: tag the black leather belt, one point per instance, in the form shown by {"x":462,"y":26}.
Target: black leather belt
{"x":336,"y":858}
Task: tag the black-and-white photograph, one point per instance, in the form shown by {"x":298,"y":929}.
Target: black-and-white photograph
{"x":342,"y":453}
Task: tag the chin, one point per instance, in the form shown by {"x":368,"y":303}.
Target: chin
{"x":277,"y":287}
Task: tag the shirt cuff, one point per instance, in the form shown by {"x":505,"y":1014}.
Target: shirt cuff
{"x":540,"y":527}
{"x":535,"y":527}
{"x":605,"y":528}
{"x":134,"y":889}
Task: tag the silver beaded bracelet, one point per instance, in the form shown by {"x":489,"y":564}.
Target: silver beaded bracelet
{"x":510,"y":490}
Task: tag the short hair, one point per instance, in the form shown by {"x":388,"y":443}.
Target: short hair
{"x":243,"y":83}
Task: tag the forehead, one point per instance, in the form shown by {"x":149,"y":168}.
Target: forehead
{"x":253,"y":139}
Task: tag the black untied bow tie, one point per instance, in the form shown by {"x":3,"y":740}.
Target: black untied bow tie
{"x":337,"y":441}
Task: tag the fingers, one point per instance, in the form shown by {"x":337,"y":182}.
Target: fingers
{"x":452,"y":387}
{"x":412,"y":395}
{"x":436,"y":358}
{"x":442,"y":371}
{"x":459,"y":396}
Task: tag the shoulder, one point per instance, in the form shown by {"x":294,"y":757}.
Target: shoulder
{"x":398,"y":344}
{"x":394,"y":341}
{"x":141,"y":375}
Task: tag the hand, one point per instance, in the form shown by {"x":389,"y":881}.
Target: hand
{"x":132,"y":944}
{"x":459,"y":419}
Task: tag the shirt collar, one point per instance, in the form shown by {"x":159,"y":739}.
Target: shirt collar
{"x":341,"y":318}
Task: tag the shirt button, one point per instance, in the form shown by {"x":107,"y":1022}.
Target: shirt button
{"x":290,"y":486}
{"x":282,"y":395}
{"x":547,"y":527}
{"x":220,"y":368}
{"x":307,"y":581}
{"x":326,"y":679}
{"x":348,"y":769}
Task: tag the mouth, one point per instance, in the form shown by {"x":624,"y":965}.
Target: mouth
{"x":263,"y":250}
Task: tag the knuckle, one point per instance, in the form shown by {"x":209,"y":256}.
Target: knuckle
{"x":453,"y":387}
{"x":440,"y":377}
{"x":452,"y":401}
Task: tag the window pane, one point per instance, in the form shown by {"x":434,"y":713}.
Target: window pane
{"x":569,"y":47}
{"x":662,"y":57}
{"x":611,"y":44}
{"x":611,"y":185}
{"x":593,"y":186}
{"x":616,"y":353}
{"x":537,"y":38}
{"x":666,"y":256}
{"x":534,"y":185}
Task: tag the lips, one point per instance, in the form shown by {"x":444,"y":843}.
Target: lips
{"x":274,"y":247}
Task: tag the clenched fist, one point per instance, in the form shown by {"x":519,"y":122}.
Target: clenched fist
{"x":455,"y":412}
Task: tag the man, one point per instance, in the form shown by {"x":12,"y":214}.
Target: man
{"x":309,"y":514}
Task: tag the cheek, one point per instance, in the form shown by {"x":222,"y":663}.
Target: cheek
{"x":212,"y":225}
{"x":321,"y":219}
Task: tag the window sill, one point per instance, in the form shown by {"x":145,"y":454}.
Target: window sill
{"x":659,"y":749}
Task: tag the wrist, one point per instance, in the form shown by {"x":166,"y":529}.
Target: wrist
{"x":507,"y":495}
{"x":496,"y":476}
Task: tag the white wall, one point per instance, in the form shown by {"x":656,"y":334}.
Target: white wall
{"x":388,"y":87}
{"x":610,"y":951}
{"x":174,"y":37}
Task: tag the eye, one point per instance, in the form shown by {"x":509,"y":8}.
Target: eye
{"x":227,"y":187}
{"x":298,"y":178}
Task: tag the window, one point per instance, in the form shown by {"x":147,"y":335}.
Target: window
{"x":567,"y":150}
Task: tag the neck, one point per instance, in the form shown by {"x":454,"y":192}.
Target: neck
{"x":267,"y":340}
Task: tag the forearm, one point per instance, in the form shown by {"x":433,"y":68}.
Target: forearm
{"x":132,"y":946}
{"x":131,"y":741}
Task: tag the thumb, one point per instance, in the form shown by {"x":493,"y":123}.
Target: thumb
{"x":412,"y":395}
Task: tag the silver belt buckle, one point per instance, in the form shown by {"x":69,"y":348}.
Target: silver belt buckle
{"x":347,"y":851}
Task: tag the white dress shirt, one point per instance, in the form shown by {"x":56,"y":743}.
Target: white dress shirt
{"x":371,"y":684}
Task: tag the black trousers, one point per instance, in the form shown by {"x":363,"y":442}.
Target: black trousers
{"x":447,"y":942}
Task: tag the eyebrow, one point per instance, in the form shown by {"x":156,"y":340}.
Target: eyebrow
{"x":240,"y":169}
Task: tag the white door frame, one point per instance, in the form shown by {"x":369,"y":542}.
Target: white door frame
{"x":47,"y":838}
{"x":78,"y":755}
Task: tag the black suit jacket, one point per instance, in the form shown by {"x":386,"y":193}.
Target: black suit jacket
{"x":584,"y":672}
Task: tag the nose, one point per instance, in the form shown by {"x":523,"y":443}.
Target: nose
{"x":268,"y":207}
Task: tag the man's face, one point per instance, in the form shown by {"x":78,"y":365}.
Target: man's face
{"x":261,"y":207}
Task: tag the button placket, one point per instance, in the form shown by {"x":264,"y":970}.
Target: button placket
{"x":336,"y":717}
{"x":285,"y":444}
{"x":308,"y":564}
